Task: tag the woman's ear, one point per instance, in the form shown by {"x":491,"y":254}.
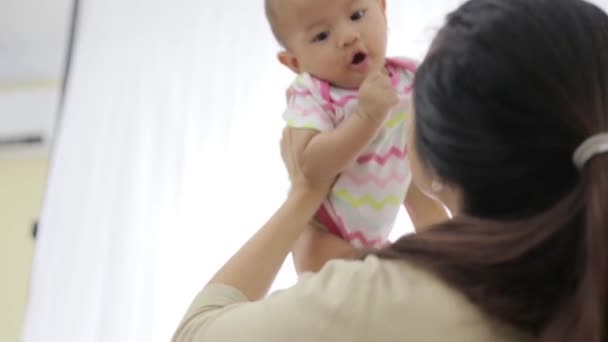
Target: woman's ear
{"x":289,"y":60}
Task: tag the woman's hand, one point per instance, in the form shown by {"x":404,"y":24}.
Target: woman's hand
{"x":290,"y":152}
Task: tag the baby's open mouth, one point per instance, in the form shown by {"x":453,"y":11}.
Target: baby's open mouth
{"x":359,"y":58}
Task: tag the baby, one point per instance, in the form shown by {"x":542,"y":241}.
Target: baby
{"x":348,"y":108}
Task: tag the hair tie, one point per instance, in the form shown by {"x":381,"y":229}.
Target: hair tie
{"x":594,"y":145}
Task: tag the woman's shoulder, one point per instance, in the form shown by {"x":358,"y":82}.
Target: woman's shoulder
{"x":371,"y":274}
{"x":390,"y":299}
{"x":368,"y":300}
{"x":374,"y":280}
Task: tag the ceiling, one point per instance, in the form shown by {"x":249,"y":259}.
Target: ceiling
{"x":33,"y":39}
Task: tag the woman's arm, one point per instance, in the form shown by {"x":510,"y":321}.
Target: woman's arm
{"x":230,"y":308}
{"x":253,"y":268}
{"x":320,"y":307}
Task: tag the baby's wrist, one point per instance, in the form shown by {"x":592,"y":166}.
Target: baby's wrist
{"x":368,"y":115}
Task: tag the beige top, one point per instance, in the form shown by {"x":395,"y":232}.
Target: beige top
{"x":372,"y":300}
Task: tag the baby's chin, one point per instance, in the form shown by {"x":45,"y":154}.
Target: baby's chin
{"x":351,"y":79}
{"x":352,"y":82}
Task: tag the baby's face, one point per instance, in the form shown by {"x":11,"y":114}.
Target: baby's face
{"x":339,"y":41}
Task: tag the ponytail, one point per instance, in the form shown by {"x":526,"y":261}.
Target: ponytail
{"x":584,"y":317}
{"x":547,"y":276}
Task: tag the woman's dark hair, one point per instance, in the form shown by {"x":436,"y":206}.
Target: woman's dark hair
{"x":508,"y":91}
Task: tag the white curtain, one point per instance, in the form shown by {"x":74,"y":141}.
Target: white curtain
{"x":166,"y":160}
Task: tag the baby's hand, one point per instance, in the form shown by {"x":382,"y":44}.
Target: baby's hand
{"x":377,"y":96}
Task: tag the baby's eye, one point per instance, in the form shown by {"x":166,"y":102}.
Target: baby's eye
{"x":357,"y":15}
{"x":321,"y":37}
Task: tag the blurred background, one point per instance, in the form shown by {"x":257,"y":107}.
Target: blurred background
{"x":33,"y":46}
{"x":142,"y":136}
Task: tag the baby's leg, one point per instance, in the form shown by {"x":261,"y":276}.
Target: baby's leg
{"x":324,"y":220}
{"x":316,"y":246}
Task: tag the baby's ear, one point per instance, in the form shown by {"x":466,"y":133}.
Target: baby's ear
{"x":289,"y":60}
{"x":383,"y":4}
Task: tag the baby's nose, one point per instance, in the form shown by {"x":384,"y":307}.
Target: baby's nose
{"x":349,"y":37}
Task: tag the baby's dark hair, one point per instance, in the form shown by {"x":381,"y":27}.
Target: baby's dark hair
{"x":272,"y":16}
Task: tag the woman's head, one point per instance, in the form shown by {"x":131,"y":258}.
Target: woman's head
{"x":507,"y":93}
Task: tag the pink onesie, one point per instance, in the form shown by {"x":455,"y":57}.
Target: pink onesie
{"x":364,"y":202}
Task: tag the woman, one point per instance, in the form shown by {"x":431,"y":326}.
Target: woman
{"x":511,"y":134}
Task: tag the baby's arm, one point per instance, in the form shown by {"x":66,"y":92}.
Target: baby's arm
{"x":331,"y":152}
{"x":423,"y":210}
